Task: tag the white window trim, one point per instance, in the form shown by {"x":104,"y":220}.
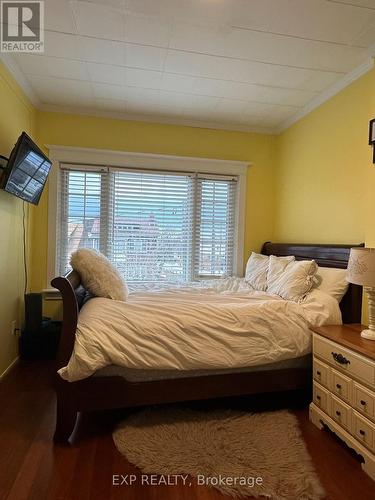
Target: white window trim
{"x":104,"y":157}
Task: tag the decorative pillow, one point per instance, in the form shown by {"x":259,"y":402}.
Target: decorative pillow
{"x":278,"y":267}
{"x":332,"y":281}
{"x":256,"y":271}
{"x":98,"y":275}
{"x":291,"y":280}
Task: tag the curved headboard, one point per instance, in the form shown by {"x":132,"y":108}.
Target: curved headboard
{"x":325,"y":255}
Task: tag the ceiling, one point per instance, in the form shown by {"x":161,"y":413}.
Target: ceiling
{"x":241,"y":64}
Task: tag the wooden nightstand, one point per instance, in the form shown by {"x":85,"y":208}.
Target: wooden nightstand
{"x":344,"y":388}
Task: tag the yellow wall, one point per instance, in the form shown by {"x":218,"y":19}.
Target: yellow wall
{"x":104,"y":133}
{"x":325,"y":176}
{"x":16,"y":115}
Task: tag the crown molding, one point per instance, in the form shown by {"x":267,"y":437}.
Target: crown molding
{"x":324,"y":96}
{"x":13,"y":68}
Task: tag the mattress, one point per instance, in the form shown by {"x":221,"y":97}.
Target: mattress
{"x":139,"y":375}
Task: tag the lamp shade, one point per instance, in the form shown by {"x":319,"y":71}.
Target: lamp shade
{"x":361,"y":267}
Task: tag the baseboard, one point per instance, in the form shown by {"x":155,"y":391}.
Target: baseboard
{"x":9,"y":369}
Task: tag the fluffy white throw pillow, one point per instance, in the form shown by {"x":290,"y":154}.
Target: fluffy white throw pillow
{"x":291,"y":280}
{"x":98,"y":275}
{"x":256,"y":271}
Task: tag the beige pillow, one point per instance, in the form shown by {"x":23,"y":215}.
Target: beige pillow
{"x":291,"y":280}
{"x":256,"y":271}
{"x":333,"y":281}
{"x":98,"y":275}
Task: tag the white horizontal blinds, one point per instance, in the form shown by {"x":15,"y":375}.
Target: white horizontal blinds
{"x":151,"y":226}
{"x":215,"y":226}
{"x":154,"y":226}
{"x":81,"y":212}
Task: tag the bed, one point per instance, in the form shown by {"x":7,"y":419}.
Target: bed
{"x":112,"y":388}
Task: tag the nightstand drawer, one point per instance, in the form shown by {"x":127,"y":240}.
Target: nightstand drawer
{"x":364,"y":400}
{"x":363,"y":430}
{"x":321,"y":397}
{"x":321,"y":372}
{"x":344,"y":360}
{"x":341,"y":412}
{"x":341,"y":385}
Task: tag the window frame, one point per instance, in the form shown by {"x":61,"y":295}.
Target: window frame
{"x":145,"y":161}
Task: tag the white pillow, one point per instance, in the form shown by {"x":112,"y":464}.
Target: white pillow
{"x":98,"y":275}
{"x":278,"y":267}
{"x":256,"y":271}
{"x":332,"y":281}
{"x":291,"y":280}
{"x":321,"y":309}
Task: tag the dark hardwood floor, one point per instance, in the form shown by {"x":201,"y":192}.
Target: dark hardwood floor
{"x":32,"y":467}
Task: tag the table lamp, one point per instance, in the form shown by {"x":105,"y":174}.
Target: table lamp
{"x":361,"y":271}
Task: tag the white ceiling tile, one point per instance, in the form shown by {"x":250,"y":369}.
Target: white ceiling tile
{"x":208,"y":103}
{"x":99,"y":21}
{"x":177,"y":83}
{"x":276,"y":95}
{"x":318,"y":80}
{"x":71,"y":91}
{"x":199,"y":65}
{"x":266,"y":47}
{"x":107,"y":91}
{"x":367,"y":37}
{"x":317,"y":19}
{"x":143,"y":78}
{"x":175,"y":99}
{"x":51,"y":66}
{"x":235,"y":106}
{"x":102,"y":51}
{"x":119,"y":4}
{"x":105,"y":73}
{"x":110,"y":105}
{"x":141,"y":56}
{"x":147,"y":30}
{"x":360,"y":3}
{"x":67,"y":68}
{"x":61,"y":45}
{"x":249,"y":92}
{"x":314,"y":19}
{"x":58,"y":16}
{"x":34,"y":64}
{"x":137,"y":95}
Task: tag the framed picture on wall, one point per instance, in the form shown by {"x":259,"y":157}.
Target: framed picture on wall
{"x":371,"y":138}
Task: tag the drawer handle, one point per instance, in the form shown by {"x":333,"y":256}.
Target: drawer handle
{"x":340,"y":358}
{"x":363,"y":403}
{"x":338,"y":413}
{"x":362,"y":433}
{"x":338,"y":386}
{"x":318,"y":373}
{"x":318,"y":398}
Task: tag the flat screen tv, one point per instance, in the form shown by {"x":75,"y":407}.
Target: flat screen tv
{"x":26,"y":172}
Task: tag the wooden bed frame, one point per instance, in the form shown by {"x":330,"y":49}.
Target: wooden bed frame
{"x":98,"y":393}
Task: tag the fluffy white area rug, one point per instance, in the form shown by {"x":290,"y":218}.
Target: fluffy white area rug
{"x":226,"y":444}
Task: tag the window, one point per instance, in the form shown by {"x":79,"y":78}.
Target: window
{"x":155,"y":226}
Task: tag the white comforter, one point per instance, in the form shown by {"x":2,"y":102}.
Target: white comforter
{"x":226,"y":325}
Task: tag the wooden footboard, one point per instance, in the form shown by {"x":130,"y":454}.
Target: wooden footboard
{"x":67,"y":285}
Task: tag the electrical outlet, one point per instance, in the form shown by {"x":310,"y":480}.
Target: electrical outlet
{"x":13,"y":327}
